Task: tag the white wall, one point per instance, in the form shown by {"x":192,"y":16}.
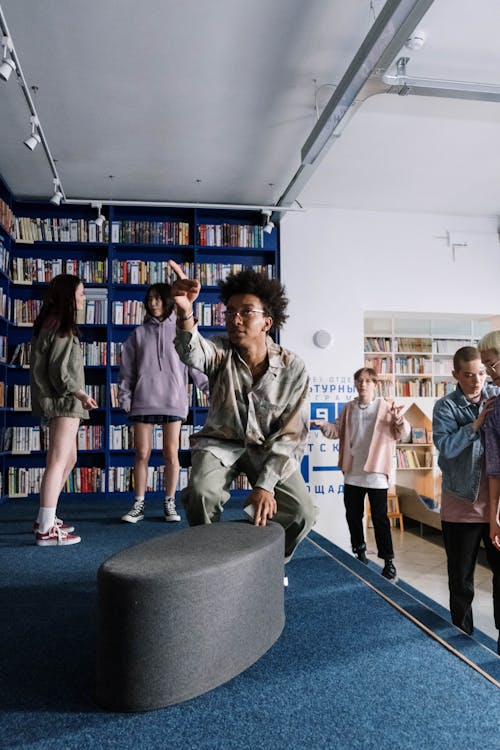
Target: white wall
{"x":338,"y":264}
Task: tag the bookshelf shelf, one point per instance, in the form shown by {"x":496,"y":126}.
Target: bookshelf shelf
{"x":38,"y":240}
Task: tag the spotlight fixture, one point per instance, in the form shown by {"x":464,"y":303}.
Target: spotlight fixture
{"x":34,"y":139}
{"x":268,"y":225}
{"x":7,"y":65}
{"x":100,"y":217}
{"x":58,"y":196}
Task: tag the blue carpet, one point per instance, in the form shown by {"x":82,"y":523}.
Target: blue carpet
{"x":349,"y":672}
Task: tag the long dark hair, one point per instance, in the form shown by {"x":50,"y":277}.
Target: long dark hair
{"x":163,"y":292}
{"x":58,"y":309}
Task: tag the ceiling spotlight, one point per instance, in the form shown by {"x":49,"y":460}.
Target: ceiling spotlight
{"x":7,"y":65}
{"x":34,"y":139}
{"x":268,"y":225}
{"x":100,"y":217}
{"x":58,"y":196}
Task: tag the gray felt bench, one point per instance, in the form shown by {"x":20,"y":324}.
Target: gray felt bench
{"x":182,"y":613}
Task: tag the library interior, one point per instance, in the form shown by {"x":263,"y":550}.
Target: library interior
{"x":349,"y":150}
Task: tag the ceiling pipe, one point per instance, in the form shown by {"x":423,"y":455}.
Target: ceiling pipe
{"x":177,"y":204}
{"x":392,"y":27}
{"x":448,"y":89}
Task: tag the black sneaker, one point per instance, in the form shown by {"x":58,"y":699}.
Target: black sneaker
{"x":390,"y":571}
{"x":136,"y":512}
{"x":169,"y":511}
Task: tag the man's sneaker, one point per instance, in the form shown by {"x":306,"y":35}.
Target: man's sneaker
{"x":55,"y":537}
{"x":136,"y":512}
{"x":390,"y":571}
{"x":169,"y":510}
{"x":60,"y":525}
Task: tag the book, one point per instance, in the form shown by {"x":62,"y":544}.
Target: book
{"x":418,"y":435}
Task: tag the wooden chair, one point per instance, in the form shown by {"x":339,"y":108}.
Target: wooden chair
{"x":393,"y":511}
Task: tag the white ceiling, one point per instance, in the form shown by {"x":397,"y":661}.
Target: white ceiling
{"x":212,"y":101}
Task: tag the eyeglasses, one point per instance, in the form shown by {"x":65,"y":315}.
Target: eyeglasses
{"x":493,"y":366}
{"x":244,"y":314}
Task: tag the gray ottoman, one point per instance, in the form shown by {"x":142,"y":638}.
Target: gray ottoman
{"x":184,"y":612}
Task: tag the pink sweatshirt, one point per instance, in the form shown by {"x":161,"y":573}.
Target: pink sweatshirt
{"x":385,"y":435}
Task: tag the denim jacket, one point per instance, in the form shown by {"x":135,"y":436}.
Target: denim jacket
{"x":461,"y":450}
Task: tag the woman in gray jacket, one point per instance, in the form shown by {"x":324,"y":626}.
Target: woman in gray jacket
{"x":153,"y":389}
{"x":58,"y":397}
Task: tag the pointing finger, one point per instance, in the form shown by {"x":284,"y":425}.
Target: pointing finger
{"x":177,"y":269}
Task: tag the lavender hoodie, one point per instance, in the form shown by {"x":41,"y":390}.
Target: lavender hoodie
{"x":152,"y":379}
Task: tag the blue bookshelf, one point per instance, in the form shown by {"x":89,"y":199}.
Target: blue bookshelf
{"x":117,"y":265}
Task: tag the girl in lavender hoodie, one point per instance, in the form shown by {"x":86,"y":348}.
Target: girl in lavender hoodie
{"x":153,"y":389}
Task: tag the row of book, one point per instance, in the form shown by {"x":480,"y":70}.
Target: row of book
{"x":121,"y":479}
{"x":208,"y":274}
{"x":23,"y":481}
{"x":150,"y":232}
{"x":21,"y":440}
{"x":19,"y":395}
{"x":3,"y":348}
{"x":210,"y":313}
{"x":121,"y":437}
{"x":4,"y":257}
{"x":230,"y":235}
{"x":40,"y":270}
{"x":410,"y":365}
{"x":377,"y":344}
{"x":413,"y":388}
{"x":408,"y":458}
{"x":412,"y":344}
{"x":94,"y":353}
{"x":193,"y":393}
{"x":148,"y":272}
{"x":58,"y":229}
{"x":24,"y":312}
{"x":95,"y":311}
{"x":145,"y":232}
{"x":5,"y":216}
{"x":3,"y":302}
{"x":381,"y":365}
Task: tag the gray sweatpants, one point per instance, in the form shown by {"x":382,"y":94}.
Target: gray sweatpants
{"x":208,"y":491}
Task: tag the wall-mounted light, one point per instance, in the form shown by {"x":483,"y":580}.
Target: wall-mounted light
{"x":34,"y":139}
{"x":57,"y":196}
{"x":268,"y":225}
{"x":7,"y":65}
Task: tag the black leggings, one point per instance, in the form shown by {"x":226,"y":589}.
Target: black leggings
{"x":354,"y":501}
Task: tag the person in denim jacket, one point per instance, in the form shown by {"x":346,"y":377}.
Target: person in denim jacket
{"x":458,"y":422}
{"x":489,"y":346}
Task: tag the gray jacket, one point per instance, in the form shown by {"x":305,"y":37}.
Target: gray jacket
{"x":56,"y":374}
{"x":152,"y":379}
{"x":461,"y":450}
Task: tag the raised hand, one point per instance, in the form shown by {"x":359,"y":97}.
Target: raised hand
{"x":396,"y":413}
{"x":184,"y":291}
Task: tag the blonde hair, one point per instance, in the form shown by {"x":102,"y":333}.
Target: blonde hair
{"x":491,"y":341}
